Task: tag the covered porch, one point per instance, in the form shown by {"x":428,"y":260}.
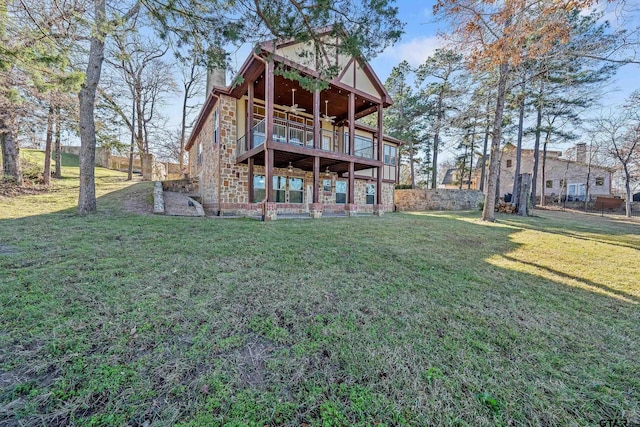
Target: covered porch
{"x":281,"y":125}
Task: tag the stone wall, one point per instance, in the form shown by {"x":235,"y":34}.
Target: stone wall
{"x":103,"y":154}
{"x":438,"y":199}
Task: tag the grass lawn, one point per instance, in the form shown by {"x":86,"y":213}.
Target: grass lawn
{"x":410,"y":319}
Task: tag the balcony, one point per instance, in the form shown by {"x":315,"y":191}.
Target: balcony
{"x":301,"y":135}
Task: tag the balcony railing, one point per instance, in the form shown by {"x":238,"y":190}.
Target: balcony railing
{"x":258,"y":132}
{"x":294,"y":133}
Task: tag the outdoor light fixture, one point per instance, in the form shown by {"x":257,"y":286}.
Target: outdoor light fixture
{"x":290,"y":168}
{"x":327,"y":172}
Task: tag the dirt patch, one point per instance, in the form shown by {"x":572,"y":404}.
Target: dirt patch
{"x":138,"y":202}
{"x":251,"y":361}
{"x":9,"y":189}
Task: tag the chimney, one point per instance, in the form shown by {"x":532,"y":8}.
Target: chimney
{"x":581,"y":152}
{"x":217,"y":72}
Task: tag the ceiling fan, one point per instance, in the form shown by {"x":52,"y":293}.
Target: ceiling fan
{"x":294,"y":107}
{"x":326,"y":117}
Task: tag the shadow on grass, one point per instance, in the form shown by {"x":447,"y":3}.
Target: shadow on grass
{"x":126,"y":319}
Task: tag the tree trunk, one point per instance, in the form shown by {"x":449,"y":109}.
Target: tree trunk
{"x":57,"y":148}
{"x":544,"y":167}
{"x":483,"y":172}
{"x":473,"y":137}
{"x":436,"y":143}
{"x":412,"y":165}
{"x":488,"y":213}
{"x":10,"y":149}
{"x":627,"y":186}
{"x":46,"y":174}
{"x":133,"y":141}
{"x":183,"y":127}
{"x":536,"y":147}
{"x":87,"y":97}
{"x":515,"y":194}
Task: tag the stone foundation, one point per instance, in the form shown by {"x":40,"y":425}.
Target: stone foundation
{"x":315,"y":210}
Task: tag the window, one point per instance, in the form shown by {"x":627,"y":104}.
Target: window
{"x":577,"y":192}
{"x":549,"y":183}
{"x":364,"y":147}
{"x":296,"y":192}
{"x":258,"y":188}
{"x":326,"y":143}
{"x":390,"y":155}
{"x":371,"y":194}
{"x":280,"y":189}
{"x":326,"y":185}
{"x":216,"y":126}
{"x":509,"y":161}
{"x":199,"y":153}
{"x":341,"y":191}
{"x":600,"y":180}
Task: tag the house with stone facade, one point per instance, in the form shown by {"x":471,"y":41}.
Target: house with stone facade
{"x":268,"y":146}
{"x":562,"y":178}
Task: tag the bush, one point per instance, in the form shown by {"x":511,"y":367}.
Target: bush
{"x":480,"y":206}
{"x":31,"y":171}
{"x":403,"y":186}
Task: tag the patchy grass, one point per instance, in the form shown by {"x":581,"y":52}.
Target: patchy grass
{"x":409,"y":319}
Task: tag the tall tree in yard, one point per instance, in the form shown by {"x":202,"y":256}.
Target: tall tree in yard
{"x":404,"y":119}
{"x":499,"y":36}
{"x":439,"y":71}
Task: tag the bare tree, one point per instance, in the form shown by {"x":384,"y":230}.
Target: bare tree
{"x":619,"y":135}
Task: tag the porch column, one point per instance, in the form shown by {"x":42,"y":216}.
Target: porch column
{"x":316,"y":120}
{"x":250,"y":115}
{"x":352,"y":186}
{"x":268,"y":176}
{"x":380,"y":159}
{"x":316,"y":179}
{"x":250,"y":181}
{"x":269,"y":95}
{"x":352,"y":125}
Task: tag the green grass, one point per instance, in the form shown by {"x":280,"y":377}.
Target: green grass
{"x":411,"y":319}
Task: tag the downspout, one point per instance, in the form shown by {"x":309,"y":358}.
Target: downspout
{"x":263,"y":203}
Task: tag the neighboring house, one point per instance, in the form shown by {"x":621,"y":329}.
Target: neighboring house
{"x":267,"y":143}
{"x":452,"y":180}
{"x":564,"y":179}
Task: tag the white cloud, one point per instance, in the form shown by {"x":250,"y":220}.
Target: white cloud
{"x":415,"y":51}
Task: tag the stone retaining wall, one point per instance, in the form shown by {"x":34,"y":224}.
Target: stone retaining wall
{"x":438,"y":199}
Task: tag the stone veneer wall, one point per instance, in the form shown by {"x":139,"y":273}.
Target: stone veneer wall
{"x":438,"y":199}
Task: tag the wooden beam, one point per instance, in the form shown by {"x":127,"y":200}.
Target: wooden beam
{"x":352,"y":187}
{"x":380,"y":156}
{"x":316,"y":120}
{"x":352,"y":123}
{"x":249,"y":115}
{"x":268,"y":161}
{"x":250,"y":181}
{"x":316,"y":179}
{"x":269,"y":95}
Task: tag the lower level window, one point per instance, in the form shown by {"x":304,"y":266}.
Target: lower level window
{"x":258,"y":188}
{"x":296,"y":192}
{"x":549,"y":183}
{"x":371,"y":194}
{"x":280,"y":189}
{"x":341,"y":191}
